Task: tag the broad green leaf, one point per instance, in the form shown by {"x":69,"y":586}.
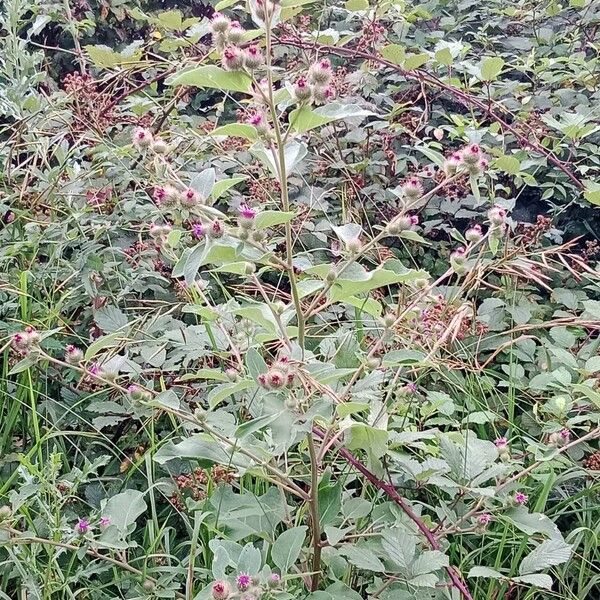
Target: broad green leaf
{"x":124,"y":508}
{"x":536,"y":579}
{"x":351,"y":408}
{"x":400,"y":547}
{"x":485,"y":572}
{"x":592,"y":192}
{"x":508,"y":164}
{"x":223,"y":185}
{"x":270,"y":218}
{"x":547,"y":554}
{"x":286,"y":548}
{"x":106,"y":341}
{"x":356,"y":5}
{"x":224,"y":390}
{"x":210,"y":374}
{"x":304,"y":118}
{"x":363,"y":558}
{"x":242,"y":130}
{"x":211,"y":76}
{"x":394,"y":53}
{"x":365,"y":437}
{"x":255,"y":425}
{"x":491,"y":67}
{"x":444,"y":56}
{"x":414,"y":61}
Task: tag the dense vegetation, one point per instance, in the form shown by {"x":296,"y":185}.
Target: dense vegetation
{"x":300,"y":299}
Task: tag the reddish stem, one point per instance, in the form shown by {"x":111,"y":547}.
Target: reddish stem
{"x":393,"y":495}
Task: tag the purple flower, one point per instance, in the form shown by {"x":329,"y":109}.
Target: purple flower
{"x":95,"y":369}
{"x":520,"y":498}
{"x":565,"y":434}
{"x":243,"y":581}
{"x":501,"y":443}
{"x":220,"y":590}
{"x":247,"y":213}
{"x":104,"y":521}
{"x":82,"y":527}
{"x":198,"y":230}
{"x":484,"y":519}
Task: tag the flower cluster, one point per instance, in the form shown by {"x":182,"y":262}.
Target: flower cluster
{"x":227,"y":36}
{"x":171,"y":196}
{"x":247,"y":587}
{"x":469,"y":159}
{"x":281,"y":374}
{"x":24,"y":341}
{"x":315,"y":86}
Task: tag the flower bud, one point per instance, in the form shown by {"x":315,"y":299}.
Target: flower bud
{"x":320,"y":72}
{"x":232,"y":374}
{"x":219,"y":23}
{"x":232,"y":59}
{"x":471,"y":154}
{"x":412,"y":189}
{"x":249,"y":268}
{"x":5,"y":512}
{"x":73,"y":355}
{"x":276,"y":379}
{"x":322,"y":94}
{"x":438,"y":133}
{"x":331,"y":276}
{"x":302,"y":89}
{"x":166,"y":195}
{"x":388,"y":320}
{"x":459,"y":256}
{"x":189,"y":197}
{"x":253,"y":58}
{"x":291,"y":403}
{"x":216,"y":229}
{"x":274,"y":580}
{"x":247,"y":216}
{"x":148,"y":585}
{"x":497,"y":215}
{"x":474,"y":234}
{"x":142,"y":138}
{"x":221,"y":590}
{"x":353,"y":246}
{"x":159,"y":146}
{"x":278,"y":307}
{"x":259,"y":121}
{"x":235,"y":33}
{"x":452,"y":163}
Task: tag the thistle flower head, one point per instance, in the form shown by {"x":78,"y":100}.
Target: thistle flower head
{"x":189,"y":197}
{"x":320,"y":72}
{"x":221,"y":590}
{"x":73,"y":355}
{"x":474,"y":233}
{"x":323,"y":93}
{"x":142,"y":137}
{"x":412,"y":189}
{"x":501,"y":443}
{"x":235,"y":33}
{"x":243,"y":581}
{"x":497,"y":215}
{"x":253,"y":57}
{"x":302,"y":89}
{"x":484,"y":519}
{"x":520,"y":498}
{"x":82,"y":526}
{"x":104,"y":521}
{"x":219,"y":23}
{"x":232,"y":59}
{"x":198,"y":231}
{"x":274,"y":580}
{"x":216,"y":229}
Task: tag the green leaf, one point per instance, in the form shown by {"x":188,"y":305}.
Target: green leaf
{"x":106,"y":341}
{"x":444,"y":56}
{"x":414,"y":61}
{"x":356,"y":5}
{"x":592,"y":192}
{"x":211,"y":76}
{"x":330,"y":500}
{"x":270,"y":218}
{"x":223,"y":185}
{"x":210,"y":374}
{"x":224,"y":390}
{"x":351,"y":408}
{"x":400,"y":546}
{"x":286,"y":548}
{"x":124,"y":508}
{"x":536,"y":579}
{"x":547,"y":554}
{"x":365,"y":437}
{"x":508,"y":164}
{"x":491,"y":67}
{"x":304,"y":118}
{"x":255,"y":425}
{"x":242,"y":130}
{"x":485,"y":572}
{"x":363,"y":558}
{"x":394,"y":53}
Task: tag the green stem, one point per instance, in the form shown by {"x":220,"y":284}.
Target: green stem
{"x":314,"y":514}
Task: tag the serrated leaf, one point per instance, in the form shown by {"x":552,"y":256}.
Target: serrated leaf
{"x":547,"y":554}
{"x":508,"y":164}
{"x":400,"y":547}
{"x":394,"y":53}
{"x":363,"y":558}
